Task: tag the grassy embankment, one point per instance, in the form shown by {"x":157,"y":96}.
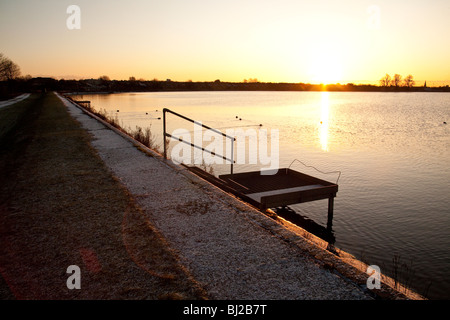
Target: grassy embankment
{"x":61,"y":206}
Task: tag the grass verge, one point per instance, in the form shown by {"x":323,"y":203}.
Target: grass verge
{"x":61,"y":206}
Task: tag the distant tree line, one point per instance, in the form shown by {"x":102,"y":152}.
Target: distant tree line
{"x":251,"y":80}
{"x":100,"y":84}
{"x":12,"y":83}
{"x":397,"y":81}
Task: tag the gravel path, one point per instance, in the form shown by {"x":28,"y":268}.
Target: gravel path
{"x":233,"y":250}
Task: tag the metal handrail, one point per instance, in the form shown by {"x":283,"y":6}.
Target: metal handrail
{"x":231,"y":160}
{"x":308,"y":166}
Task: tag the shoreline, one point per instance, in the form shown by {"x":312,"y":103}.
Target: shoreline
{"x":318,"y":89}
{"x":113,"y":86}
{"x":344,"y":264}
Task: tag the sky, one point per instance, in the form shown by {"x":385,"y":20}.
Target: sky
{"x":320,"y":41}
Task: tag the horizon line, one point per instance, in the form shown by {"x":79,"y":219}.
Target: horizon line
{"x":430,"y":83}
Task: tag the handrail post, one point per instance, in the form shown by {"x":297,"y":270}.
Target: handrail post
{"x":164,"y":136}
{"x":232,"y":155}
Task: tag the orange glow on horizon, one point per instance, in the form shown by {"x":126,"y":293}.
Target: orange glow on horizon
{"x":325,"y":42}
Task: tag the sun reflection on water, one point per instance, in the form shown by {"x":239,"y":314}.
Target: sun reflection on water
{"x":324,"y":120}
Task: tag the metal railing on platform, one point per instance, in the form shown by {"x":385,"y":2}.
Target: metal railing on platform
{"x":231,"y":159}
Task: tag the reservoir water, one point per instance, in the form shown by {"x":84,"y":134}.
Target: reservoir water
{"x":392,"y":149}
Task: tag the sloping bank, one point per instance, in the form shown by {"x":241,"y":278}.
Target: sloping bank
{"x":232,"y":249}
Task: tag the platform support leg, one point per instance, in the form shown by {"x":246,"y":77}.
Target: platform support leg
{"x":330,"y":212}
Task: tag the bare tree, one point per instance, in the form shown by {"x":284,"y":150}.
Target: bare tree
{"x":385,"y":81}
{"x":3,"y":62}
{"x":397,"y":80}
{"x":8,"y":69}
{"x":408,"y":81}
{"x":251,"y":80}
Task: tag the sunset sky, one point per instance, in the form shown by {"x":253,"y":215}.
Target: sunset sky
{"x":323,"y":41}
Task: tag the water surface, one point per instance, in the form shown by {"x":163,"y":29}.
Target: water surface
{"x":392,"y":150}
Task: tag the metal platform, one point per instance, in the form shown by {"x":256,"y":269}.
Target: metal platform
{"x":284,"y":188}
{"x":264,"y":191}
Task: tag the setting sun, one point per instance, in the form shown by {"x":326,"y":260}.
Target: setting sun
{"x":310,"y":42}
{"x":326,"y":65}
{"x":326,"y":71}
